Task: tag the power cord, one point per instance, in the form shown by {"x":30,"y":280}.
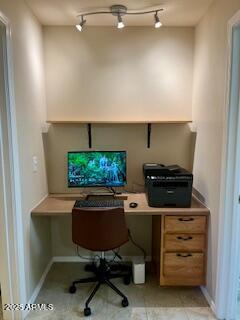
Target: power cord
{"x":87,"y":258}
{"x":137,"y":245}
{"x":116,"y":254}
{"x":96,"y":257}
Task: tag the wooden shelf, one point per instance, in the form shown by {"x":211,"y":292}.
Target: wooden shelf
{"x":181,"y":121}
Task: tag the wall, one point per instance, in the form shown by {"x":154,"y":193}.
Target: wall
{"x":103,"y":73}
{"x":30,"y":112}
{"x":170,"y":144}
{"x":208,"y":113}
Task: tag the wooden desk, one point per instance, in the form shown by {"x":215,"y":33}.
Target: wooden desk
{"x":62,"y":204}
{"x":179,"y":235}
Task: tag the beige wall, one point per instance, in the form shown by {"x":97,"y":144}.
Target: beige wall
{"x":170,"y":144}
{"x":30,"y":112}
{"x":208,"y":104}
{"x":103,"y":74}
{"x":137,"y":73}
{"x":141,"y":231}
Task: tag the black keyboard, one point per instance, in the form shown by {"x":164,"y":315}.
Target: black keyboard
{"x":99,"y":203}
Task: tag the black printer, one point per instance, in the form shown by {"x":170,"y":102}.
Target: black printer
{"x":167,"y":186}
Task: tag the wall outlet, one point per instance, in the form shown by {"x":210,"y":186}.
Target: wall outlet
{"x":35,"y":163}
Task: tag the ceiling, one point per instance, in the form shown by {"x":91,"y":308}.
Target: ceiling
{"x":64,"y":12}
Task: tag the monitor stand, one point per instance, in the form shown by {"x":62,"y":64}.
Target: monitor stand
{"x":110,"y":193}
{"x":105,"y":195}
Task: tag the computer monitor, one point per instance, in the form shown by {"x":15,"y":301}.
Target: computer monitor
{"x":97,"y":169}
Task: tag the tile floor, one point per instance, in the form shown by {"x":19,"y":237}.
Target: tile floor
{"x":147,"y":302}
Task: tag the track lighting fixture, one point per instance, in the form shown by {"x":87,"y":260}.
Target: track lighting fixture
{"x":119,"y":11}
{"x":81,"y":24}
{"x":158,"y":23}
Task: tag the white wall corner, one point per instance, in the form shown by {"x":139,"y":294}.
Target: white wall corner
{"x":40,"y":201}
{"x":45,"y":127}
{"x":193,"y":127}
{"x":209,"y":299}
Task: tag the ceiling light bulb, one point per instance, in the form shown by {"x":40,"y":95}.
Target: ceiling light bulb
{"x":80,"y":25}
{"x":158,"y":23}
{"x":120,"y":24}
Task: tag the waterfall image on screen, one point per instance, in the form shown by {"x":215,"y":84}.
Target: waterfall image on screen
{"x":97,"y":168}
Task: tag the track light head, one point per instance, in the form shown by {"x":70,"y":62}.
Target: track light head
{"x":81,"y":24}
{"x":158,"y":23}
{"x":120,"y":24}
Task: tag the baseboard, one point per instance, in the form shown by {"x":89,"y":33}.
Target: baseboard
{"x":38,"y":287}
{"x":86,"y":258}
{"x":209,"y":299}
{"x":41,"y":281}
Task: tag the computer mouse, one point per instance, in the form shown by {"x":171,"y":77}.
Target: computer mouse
{"x":133,"y":205}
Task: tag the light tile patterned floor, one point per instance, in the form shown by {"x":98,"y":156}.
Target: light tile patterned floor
{"x":147,"y":302}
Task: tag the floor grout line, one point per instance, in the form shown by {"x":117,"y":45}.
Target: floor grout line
{"x":187,"y":316}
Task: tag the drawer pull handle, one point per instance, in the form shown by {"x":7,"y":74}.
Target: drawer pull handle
{"x":186,"y":219}
{"x":184,"y":255}
{"x":184,"y":239}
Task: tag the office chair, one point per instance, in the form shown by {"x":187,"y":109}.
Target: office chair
{"x":100,"y":229}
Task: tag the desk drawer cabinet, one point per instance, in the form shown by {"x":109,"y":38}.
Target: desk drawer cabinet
{"x":182,"y":250}
{"x":183,"y":265}
{"x":192,"y":224}
{"x":184,"y":242}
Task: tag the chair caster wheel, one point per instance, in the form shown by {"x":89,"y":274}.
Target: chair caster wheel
{"x":72,"y":289}
{"x":87,"y":312}
{"x":127,"y":280}
{"x":125,"y":302}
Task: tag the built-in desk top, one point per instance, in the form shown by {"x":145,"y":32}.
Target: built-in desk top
{"x":62,"y":204}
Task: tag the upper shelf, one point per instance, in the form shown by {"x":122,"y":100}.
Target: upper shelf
{"x":149,"y":123}
{"x":167,"y":121}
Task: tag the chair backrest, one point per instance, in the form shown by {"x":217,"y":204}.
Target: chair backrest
{"x":99,"y":229}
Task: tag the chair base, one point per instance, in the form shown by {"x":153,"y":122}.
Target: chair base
{"x":103,"y":274}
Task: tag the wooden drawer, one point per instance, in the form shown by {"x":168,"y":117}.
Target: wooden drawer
{"x":184,"y":242}
{"x":183,"y":265}
{"x":185,"y":224}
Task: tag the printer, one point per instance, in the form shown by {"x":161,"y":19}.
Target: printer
{"x":167,"y":186}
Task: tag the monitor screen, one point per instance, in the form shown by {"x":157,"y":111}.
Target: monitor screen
{"x":97,"y":168}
